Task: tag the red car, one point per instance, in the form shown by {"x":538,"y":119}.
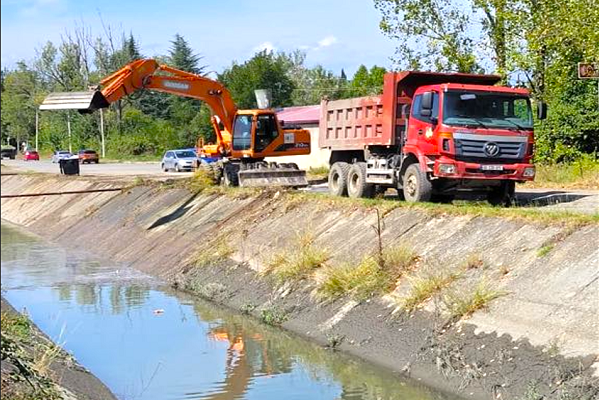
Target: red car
{"x":31,"y":155}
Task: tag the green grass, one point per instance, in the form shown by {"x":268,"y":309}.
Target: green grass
{"x":373,"y":275}
{"x":14,"y":324}
{"x":425,"y":286}
{"x":544,"y":250}
{"x":465,"y":303}
{"x":273,"y":316}
{"x":296,"y":262}
{"x":474,"y":209}
{"x":359,"y":281}
{"x":318,"y":173}
{"x":580,"y":174}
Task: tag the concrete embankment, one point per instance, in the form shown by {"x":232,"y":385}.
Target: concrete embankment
{"x":35,"y":368}
{"x":533,"y":331}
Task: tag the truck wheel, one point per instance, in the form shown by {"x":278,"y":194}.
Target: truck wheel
{"x":356,"y":182}
{"x":502,"y":195}
{"x":416,"y":186}
{"x":230,"y":175}
{"x":338,"y":178}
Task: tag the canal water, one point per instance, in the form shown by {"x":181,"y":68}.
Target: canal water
{"x":146,"y":341}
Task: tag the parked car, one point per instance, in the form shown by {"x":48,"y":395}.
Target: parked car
{"x":31,"y":155}
{"x":60,"y":155}
{"x":9,"y":152}
{"x":179,"y":160}
{"x":88,"y":156}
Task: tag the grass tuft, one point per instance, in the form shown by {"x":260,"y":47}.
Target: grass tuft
{"x":218,"y":252}
{"x":273,"y":316}
{"x":424,"y":287}
{"x":544,"y":250}
{"x":460,"y":304}
{"x":359,"y":281}
{"x":296,"y":262}
{"x":201,"y":180}
{"x":474,"y":261}
{"x":373,"y":275}
{"x":15,"y":324}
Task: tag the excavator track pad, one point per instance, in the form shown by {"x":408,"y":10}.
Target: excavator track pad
{"x":277,"y":176}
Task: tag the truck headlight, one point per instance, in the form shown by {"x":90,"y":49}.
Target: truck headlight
{"x":447,"y":169}
{"x":529,"y":172}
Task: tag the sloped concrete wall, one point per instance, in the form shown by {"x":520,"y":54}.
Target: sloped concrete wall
{"x":548,"y":300}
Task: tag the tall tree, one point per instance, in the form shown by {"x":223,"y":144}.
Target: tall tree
{"x":263,"y":71}
{"x":431,"y":34}
{"x":181,"y":56}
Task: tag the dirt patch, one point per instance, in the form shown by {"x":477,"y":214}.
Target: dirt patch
{"x":35,"y":368}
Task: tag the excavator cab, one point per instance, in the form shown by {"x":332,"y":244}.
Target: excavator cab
{"x":257,"y":135}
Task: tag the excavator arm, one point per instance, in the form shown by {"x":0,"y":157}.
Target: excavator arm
{"x":148,"y":74}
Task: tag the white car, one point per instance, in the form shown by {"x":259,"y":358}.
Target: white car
{"x":179,"y":160}
{"x":60,"y":155}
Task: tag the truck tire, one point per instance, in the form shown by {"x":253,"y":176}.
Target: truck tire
{"x":502,"y":195}
{"x":338,"y":178}
{"x":356,"y":182}
{"x":416,"y":186}
{"x":230,"y":175}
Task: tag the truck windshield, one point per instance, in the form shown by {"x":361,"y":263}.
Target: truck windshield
{"x":487,"y":110}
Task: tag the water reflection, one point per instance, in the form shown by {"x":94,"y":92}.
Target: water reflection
{"x":146,"y":341}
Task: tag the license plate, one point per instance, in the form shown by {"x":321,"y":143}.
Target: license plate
{"x":491,"y":167}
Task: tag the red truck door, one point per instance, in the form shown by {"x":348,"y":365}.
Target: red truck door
{"x":421,"y":128}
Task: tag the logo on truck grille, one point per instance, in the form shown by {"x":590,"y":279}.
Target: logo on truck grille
{"x":491,"y":149}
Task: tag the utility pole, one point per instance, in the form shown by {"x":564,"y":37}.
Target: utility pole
{"x":37,"y":127}
{"x":69,"y":131}
{"x":102,"y":132}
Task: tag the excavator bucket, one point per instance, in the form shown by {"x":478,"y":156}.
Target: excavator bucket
{"x":84,"y":102}
{"x":280,"y":176}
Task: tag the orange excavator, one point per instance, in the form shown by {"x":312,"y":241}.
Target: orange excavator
{"x":244,"y":138}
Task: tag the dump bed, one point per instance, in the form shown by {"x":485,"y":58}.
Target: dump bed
{"x":353,"y":124}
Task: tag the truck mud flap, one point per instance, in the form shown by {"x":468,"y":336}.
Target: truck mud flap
{"x":273,"y":177}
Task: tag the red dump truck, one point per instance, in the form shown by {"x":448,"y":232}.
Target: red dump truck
{"x":430,"y":136}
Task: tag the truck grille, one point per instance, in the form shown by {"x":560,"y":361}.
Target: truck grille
{"x":489,"y":148}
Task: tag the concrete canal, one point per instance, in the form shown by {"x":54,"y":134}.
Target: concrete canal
{"x":146,"y":341}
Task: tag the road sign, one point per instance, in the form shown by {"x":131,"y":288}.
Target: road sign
{"x":588,"y":70}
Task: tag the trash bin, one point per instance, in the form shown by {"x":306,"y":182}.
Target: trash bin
{"x":69,"y":166}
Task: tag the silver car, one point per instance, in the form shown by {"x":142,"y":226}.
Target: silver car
{"x":60,"y":155}
{"x":179,"y":160}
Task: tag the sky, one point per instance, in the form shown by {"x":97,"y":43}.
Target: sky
{"x":334,"y":33}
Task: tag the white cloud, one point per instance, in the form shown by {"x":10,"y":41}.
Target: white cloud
{"x":327,"y":41}
{"x":268,"y":46}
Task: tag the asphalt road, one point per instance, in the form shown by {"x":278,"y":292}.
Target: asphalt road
{"x":101,"y":169}
{"x":585,"y":201}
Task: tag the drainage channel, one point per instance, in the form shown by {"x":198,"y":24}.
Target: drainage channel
{"x":147,"y":341}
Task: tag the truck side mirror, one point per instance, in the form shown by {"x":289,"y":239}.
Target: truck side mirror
{"x":426,"y":104}
{"x":541,"y":110}
{"x":405,"y":110}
